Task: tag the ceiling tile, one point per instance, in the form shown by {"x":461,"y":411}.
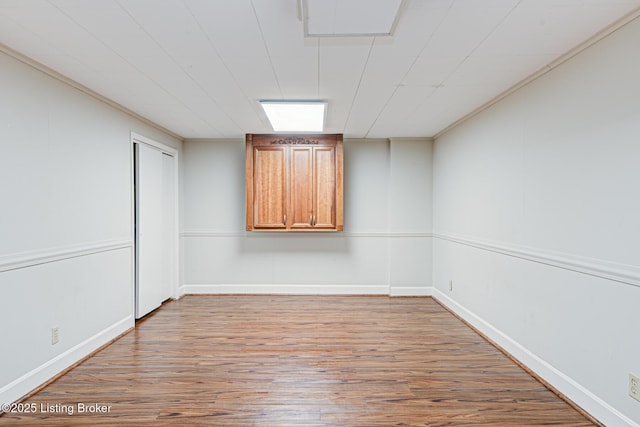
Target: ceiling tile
{"x":416,"y":26}
{"x":480,"y":70}
{"x":381,"y":71}
{"x":368,"y":104}
{"x":198,"y":67}
{"x":255,"y":77}
{"x":432,"y":70}
{"x":350,"y":17}
{"x":183,"y":37}
{"x":298,"y":75}
{"x":281,"y":28}
{"x":230,"y":25}
{"x":405,"y":100}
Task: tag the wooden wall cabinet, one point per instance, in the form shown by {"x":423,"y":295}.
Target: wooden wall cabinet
{"x":294,"y":182}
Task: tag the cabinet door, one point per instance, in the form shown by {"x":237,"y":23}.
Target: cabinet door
{"x":294,"y":182}
{"x":301,"y":187}
{"x":324,"y":187}
{"x":269,"y":181}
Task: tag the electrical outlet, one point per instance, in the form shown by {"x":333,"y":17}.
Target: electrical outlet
{"x":634,"y":387}
{"x":55,"y":335}
{"x":450,"y":285}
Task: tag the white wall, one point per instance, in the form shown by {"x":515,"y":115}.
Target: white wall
{"x":65,"y":224}
{"x":535,"y":216}
{"x":410,"y":216}
{"x":380,"y":251}
{"x":536,"y":221}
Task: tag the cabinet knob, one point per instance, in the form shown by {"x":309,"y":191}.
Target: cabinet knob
{"x":284,"y":219}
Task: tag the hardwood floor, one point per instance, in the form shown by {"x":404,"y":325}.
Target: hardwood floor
{"x":300,"y":361}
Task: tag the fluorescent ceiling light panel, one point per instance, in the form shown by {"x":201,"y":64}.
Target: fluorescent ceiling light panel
{"x":348,"y":18}
{"x":295,"y":116}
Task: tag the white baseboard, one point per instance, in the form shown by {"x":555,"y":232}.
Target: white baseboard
{"x":43,"y":373}
{"x":285,"y":289}
{"x":307,"y":289}
{"x":410,"y":291}
{"x":582,"y":397}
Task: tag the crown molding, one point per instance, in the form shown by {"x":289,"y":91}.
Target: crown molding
{"x":601,"y":35}
{"x":84,"y":89}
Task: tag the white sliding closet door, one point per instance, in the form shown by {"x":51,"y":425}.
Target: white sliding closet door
{"x":154,"y":216}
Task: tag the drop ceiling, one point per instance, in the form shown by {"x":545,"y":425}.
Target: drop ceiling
{"x":199,"y":67}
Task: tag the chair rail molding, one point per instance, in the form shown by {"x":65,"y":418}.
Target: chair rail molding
{"x":54,"y":254}
{"x":623,"y":273}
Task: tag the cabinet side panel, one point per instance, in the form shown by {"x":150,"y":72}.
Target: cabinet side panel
{"x":325,"y":187}
{"x":249,"y":182}
{"x":269,"y":187}
{"x":339,"y":183}
{"x":301,"y":187}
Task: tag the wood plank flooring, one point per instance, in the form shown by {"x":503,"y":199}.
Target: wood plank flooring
{"x":300,"y":361}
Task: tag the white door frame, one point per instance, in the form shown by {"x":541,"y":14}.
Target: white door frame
{"x":175,"y":281}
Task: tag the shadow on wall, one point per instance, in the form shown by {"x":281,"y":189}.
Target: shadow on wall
{"x":325,"y":243}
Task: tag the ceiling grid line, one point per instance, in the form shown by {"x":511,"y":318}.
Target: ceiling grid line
{"x":442,"y":83}
{"x":266,"y":48}
{"x":254,"y":105}
{"x":406,"y":73}
{"x":355,"y":95}
{"x":481,"y":42}
{"x":570,"y":53}
{"x":384,"y":106}
{"x":116,"y":53}
{"x":183,"y":70}
{"x":429,"y":39}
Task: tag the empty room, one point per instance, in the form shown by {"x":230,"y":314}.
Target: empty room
{"x":320,"y":212}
